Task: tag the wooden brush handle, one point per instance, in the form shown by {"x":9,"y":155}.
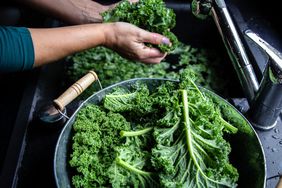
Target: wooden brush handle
{"x":75,"y":90}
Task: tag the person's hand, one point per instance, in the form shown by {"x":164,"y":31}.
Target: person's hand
{"x":129,"y":41}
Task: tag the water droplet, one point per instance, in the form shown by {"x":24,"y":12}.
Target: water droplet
{"x":280,"y":142}
{"x":275,"y":136}
{"x":274,"y":149}
{"x":276,"y":130}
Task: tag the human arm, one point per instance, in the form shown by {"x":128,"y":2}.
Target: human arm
{"x":21,"y":49}
{"x":55,"y":43}
{"x":71,"y":11}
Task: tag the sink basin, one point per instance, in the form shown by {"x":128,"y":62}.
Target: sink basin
{"x":27,"y":149}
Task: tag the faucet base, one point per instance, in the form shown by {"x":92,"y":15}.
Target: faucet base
{"x":263,"y":127}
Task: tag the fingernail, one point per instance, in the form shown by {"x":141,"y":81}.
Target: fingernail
{"x":165,"y":41}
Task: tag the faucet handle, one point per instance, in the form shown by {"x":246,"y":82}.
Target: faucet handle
{"x":274,"y":54}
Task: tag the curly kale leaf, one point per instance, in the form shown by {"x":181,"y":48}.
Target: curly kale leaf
{"x":191,"y":150}
{"x":132,"y":166}
{"x":96,"y":135}
{"x":109,"y":151}
{"x":123,"y":100}
{"x":151,"y":15}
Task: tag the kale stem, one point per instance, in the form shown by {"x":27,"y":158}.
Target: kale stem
{"x":187,"y":125}
{"x":228,"y":126}
{"x":197,"y":89}
{"x":131,"y":168}
{"x":192,"y":105}
{"x":135,"y":133}
{"x":188,"y":133}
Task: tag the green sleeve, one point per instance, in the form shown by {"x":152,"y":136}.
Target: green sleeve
{"x":16,"y":49}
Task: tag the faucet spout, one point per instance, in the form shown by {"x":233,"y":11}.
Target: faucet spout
{"x":274,"y":55}
{"x":235,"y":48}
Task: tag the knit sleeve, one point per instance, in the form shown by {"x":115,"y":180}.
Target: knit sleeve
{"x":16,"y":49}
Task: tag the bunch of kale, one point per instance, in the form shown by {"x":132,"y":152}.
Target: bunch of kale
{"x":151,"y":15}
{"x":170,"y":136}
{"x":111,"y":68}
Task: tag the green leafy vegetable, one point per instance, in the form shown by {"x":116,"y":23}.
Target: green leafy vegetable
{"x":97,"y":134}
{"x":112,"y":68}
{"x":200,"y":141}
{"x":168,"y":137}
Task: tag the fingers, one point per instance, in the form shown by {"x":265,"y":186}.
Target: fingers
{"x":147,"y":52}
{"x":151,"y":52}
{"x":130,"y":42}
{"x":153,"y":38}
{"x":151,"y":55}
{"x":152,"y":60}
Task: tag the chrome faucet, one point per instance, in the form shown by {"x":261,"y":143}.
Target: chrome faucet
{"x":265,"y":99}
{"x":267,"y":104}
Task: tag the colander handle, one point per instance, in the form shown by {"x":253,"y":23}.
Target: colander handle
{"x":75,"y":90}
{"x":279,"y":184}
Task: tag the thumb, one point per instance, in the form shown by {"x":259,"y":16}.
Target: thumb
{"x":154,"y":38}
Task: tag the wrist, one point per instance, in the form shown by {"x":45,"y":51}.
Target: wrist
{"x":109,"y":34}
